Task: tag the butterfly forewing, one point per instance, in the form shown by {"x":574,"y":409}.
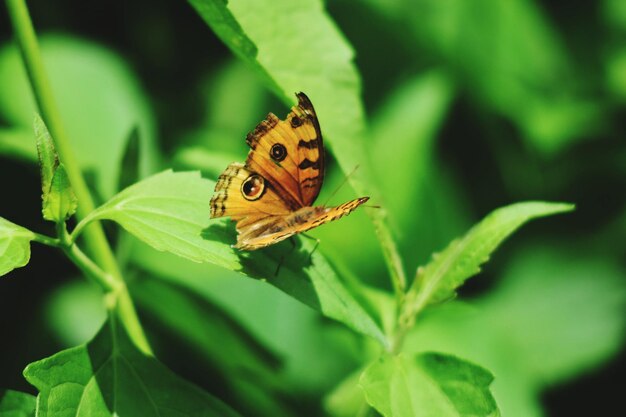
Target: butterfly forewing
{"x":289,"y":153}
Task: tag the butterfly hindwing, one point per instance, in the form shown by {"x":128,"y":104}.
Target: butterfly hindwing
{"x":290,"y":153}
{"x":243,"y":195}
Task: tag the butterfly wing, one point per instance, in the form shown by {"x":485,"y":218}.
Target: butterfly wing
{"x":299,"y":221}
{"x":248,"y":199}
{"x":290,"y":154}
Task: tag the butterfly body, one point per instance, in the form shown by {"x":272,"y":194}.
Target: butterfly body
{"x":271,"y":195}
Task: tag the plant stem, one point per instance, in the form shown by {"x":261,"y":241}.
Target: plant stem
{"x":95,"y":239}
{"x":47,"y":240}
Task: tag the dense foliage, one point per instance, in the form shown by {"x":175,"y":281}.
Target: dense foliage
{"x":468,"y":122}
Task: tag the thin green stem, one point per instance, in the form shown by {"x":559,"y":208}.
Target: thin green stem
{"x":47,"y":240}
{"x":93,"y":271}
{"x":95,"y":239}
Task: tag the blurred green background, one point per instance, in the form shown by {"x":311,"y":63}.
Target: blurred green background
{"x":471,"y":106}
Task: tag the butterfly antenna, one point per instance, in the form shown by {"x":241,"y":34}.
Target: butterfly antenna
{"x":339,"y":186}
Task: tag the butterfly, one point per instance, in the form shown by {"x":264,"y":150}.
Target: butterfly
{"x":271,"y":195}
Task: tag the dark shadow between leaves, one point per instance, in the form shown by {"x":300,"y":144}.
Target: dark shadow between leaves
{"x":292,"y":259}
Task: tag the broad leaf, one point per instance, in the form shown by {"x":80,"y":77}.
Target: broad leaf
{"x":14,"y":246}
{"x":109,"y":376}
{"x":170,"y":212}
{"x":290,"y":329}
{"x":462,"y":259}
{"x":17,"y":404}
{"x":324,"y":70}
{"x":428,"y":384}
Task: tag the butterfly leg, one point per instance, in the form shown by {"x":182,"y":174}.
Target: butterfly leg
{"x":282,"y":258}
{"x":317,"y":242}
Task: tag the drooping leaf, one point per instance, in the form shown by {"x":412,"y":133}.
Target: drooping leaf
{"x":428,"y":384}
{"x":290,"y":328}
{"x":462,"y":259}
{"x":14,"y":246}
{"x":250,"y":371}
{"x":17,"y":404}
{"x":170,"y":212}
{"x":97,"y":115}
{"x":109,"y":376}
{"x":324,"y":70}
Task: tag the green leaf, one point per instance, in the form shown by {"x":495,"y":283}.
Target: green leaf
{"x":554,"y":315}
{"x":324,"y":70}
{"x":220,"y":342}
{"x":289,"y":328}
{"x":206,"y":326}
{"x":462,"y":259}
{"x":347,"y":399}
{"x":75,"y":311}
{"x":170,"y":212}
{"x":526,"y":75}
{"x":428,"y":384}
{"x":48,"y":158}
{"x":97,"y":115}
{"x":14,"y":246}
{"x":17,"y":404}
{"x":61,"y":202}
{"x":109,"y":376}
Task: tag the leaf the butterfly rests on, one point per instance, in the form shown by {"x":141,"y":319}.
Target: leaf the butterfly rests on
{"x":271,"y":195}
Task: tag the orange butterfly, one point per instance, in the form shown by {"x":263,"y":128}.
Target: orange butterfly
{"x":270,"y":196}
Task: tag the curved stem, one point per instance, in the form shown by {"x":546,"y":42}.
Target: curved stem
{"x":95,"y":239}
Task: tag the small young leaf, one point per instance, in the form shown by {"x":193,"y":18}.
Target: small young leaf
{"x":14,"y":246}
{"x":48,"y":158}
{"x":17,"y":404}
{"x":61,"y":202}
{"x":461,"y":260}
{"x":428,"y":384}
{"x":109,"y":376}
